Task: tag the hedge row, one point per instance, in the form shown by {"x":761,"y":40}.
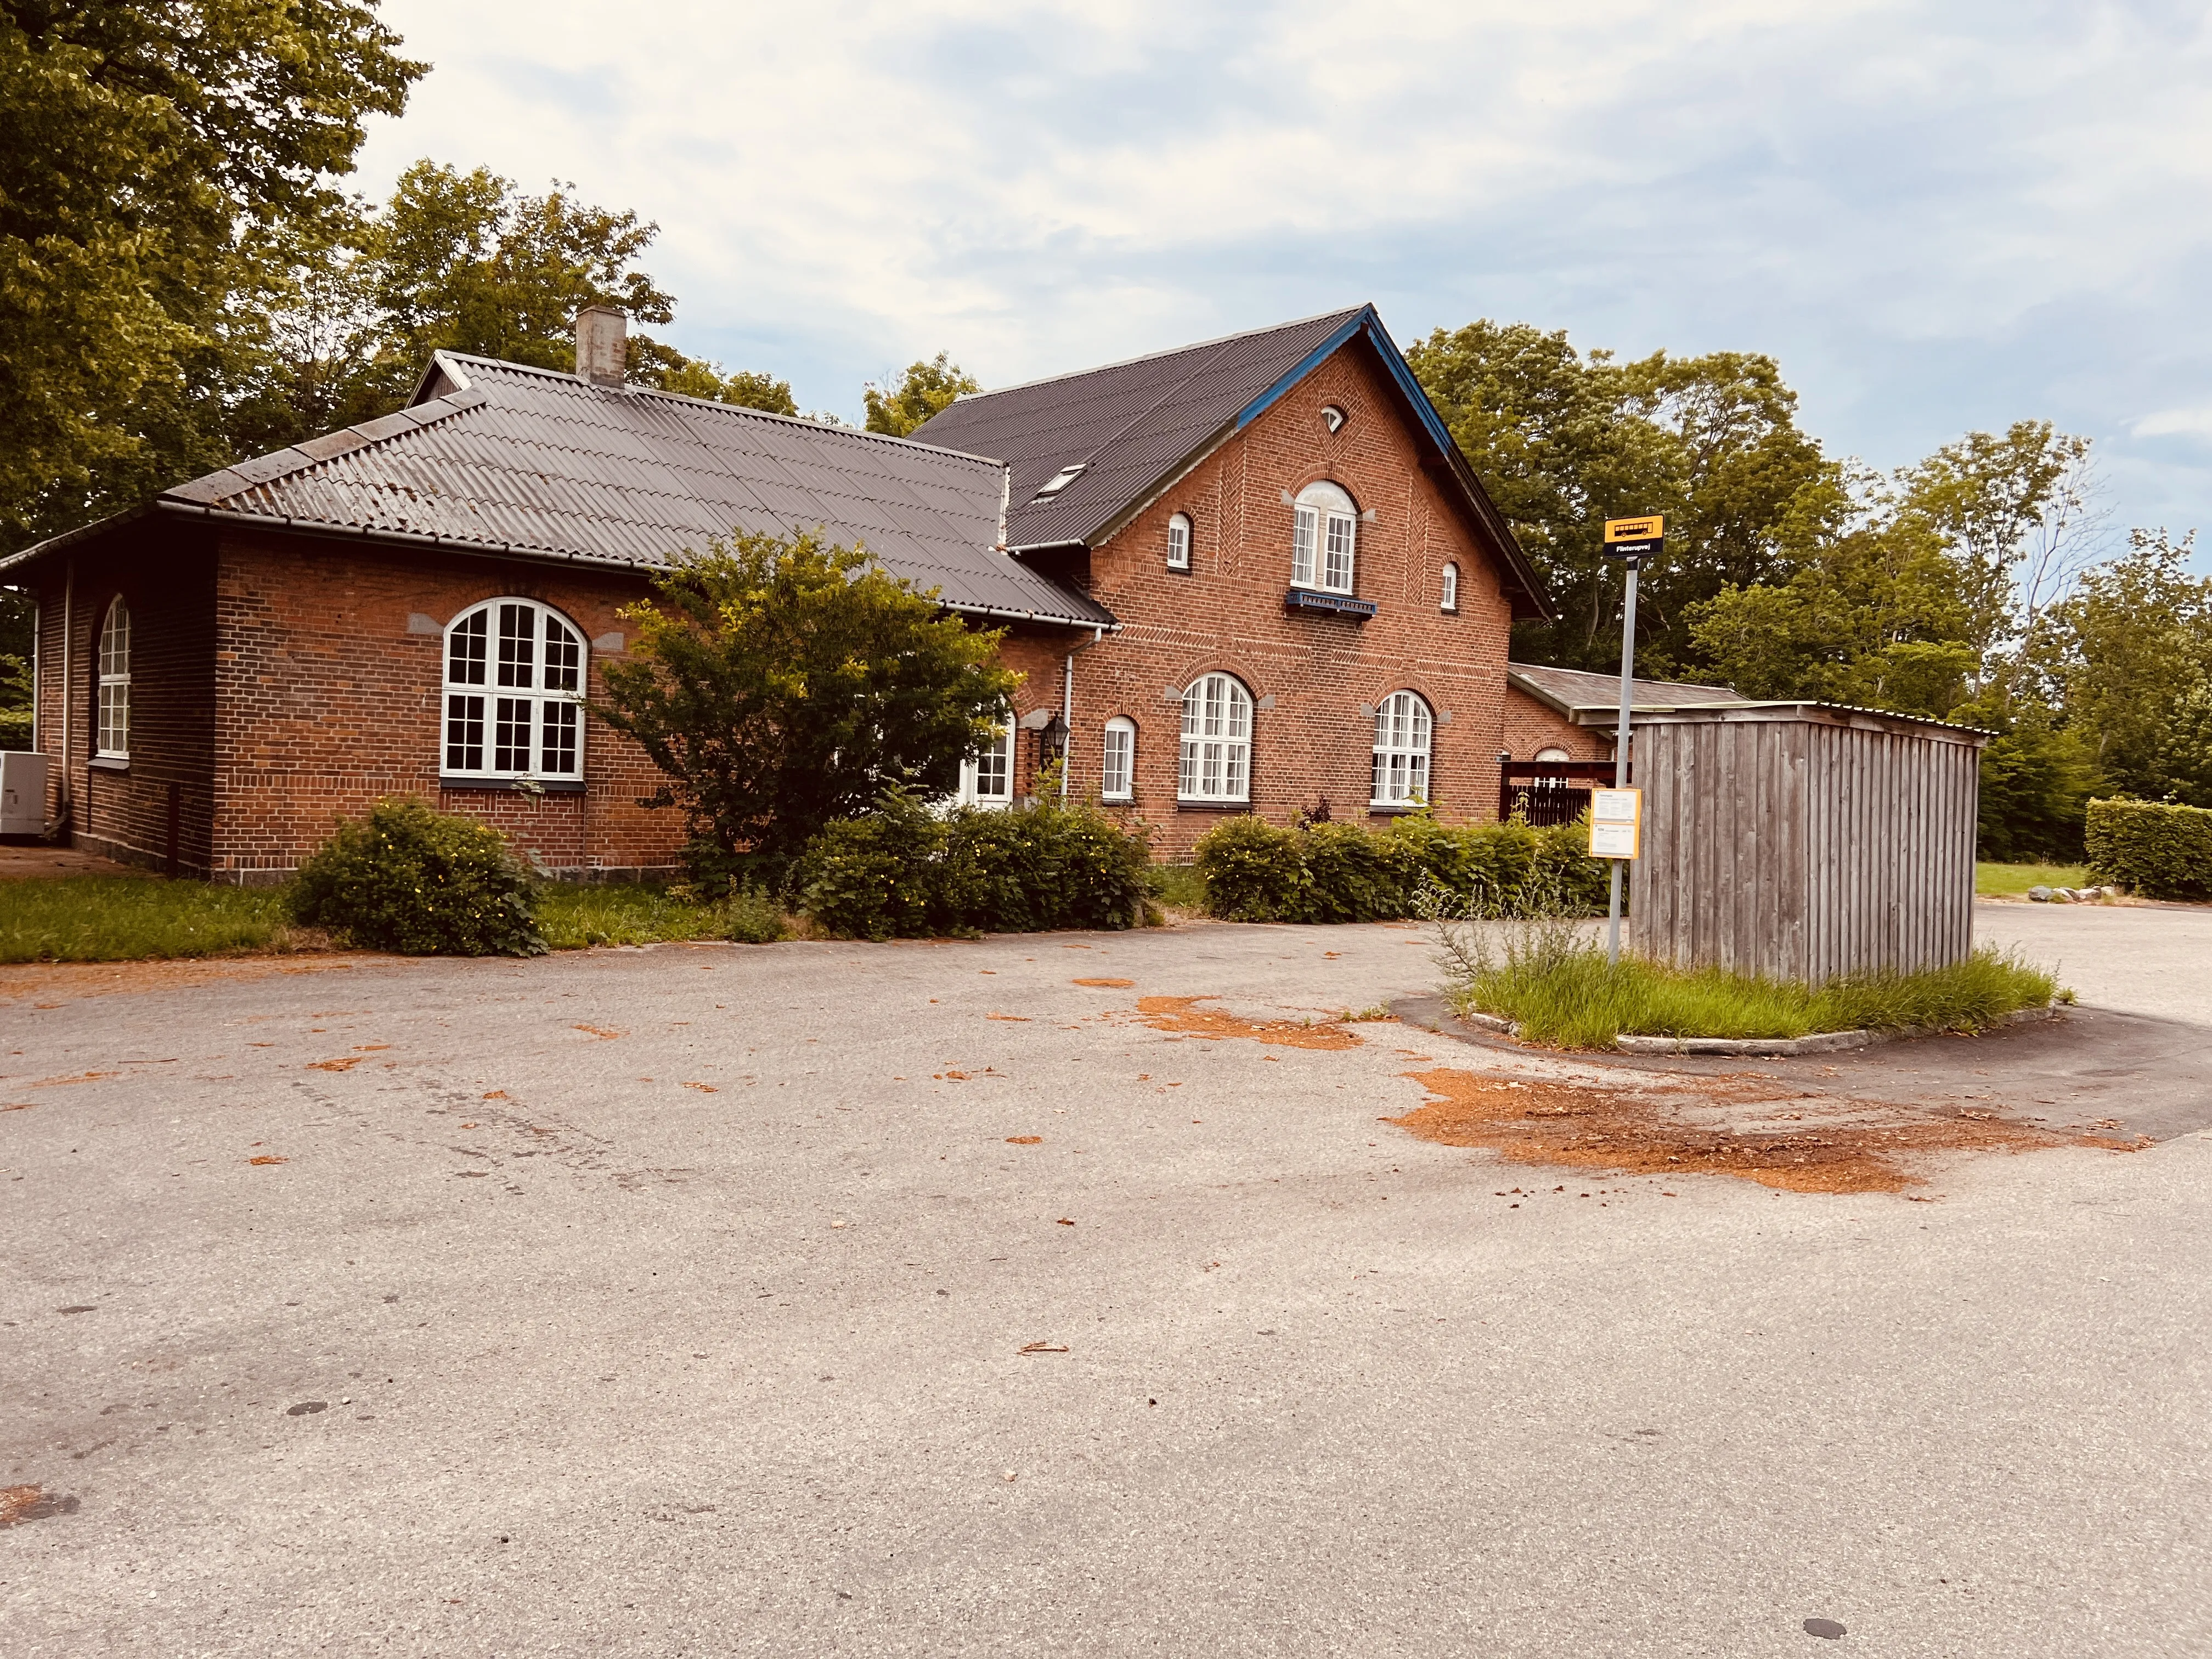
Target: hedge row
{"x":2150,"y":848}
{"x":1256,"y":871}
{"x":902,"y":870}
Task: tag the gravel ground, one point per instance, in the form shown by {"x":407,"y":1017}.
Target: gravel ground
{"x":674,"y":1301}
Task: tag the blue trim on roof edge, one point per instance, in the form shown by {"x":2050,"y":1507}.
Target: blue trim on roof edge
{"x":1369,"y":322}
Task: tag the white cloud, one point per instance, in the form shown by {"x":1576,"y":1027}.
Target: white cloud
{"x":1937,"y":213}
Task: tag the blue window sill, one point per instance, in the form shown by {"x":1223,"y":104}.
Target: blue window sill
{"x":1338,"y":604}
{"x":511,"y":786}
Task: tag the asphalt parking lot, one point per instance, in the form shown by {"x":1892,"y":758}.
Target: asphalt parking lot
{"x":924,"y":1299}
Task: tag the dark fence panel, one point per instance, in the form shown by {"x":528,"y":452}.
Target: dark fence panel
{"x":1546,"y":793}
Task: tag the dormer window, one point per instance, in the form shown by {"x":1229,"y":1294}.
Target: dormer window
{"x":1179,"y":541}
{"x":1322,"y":533}
{"x":1059,"y":481}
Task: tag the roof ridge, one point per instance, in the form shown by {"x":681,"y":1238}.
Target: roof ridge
{"x":716,"y":403}
{"x":1171,"y":351}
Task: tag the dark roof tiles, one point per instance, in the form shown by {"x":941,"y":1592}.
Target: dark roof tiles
{"x":541,"y":463}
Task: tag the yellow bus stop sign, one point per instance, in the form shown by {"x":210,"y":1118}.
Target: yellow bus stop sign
{"x":1651,"y":527}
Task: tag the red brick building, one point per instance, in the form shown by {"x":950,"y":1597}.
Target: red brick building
{"x":1254,"y":574}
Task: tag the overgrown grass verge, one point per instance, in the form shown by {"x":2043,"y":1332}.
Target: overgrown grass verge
{"x":573,"y":917}
{"x":132,"y":917}
{"x":2013,"y":880}
{"x":1175,"y":886}
{"x":1562,"y":992}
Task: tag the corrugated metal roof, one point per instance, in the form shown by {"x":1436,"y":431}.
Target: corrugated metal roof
{"x":540,"y":463}
{"x":1132,"y":427}
{"x":1576,"y":688}
{"x":1130,"y":424}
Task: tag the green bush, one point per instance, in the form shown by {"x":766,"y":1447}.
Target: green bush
{"x":904,"y":872}
{"x":1330,"y":872}
{"x":2157,"y":849}
{"x":419,"y":882}
{"x":1253,"y":871}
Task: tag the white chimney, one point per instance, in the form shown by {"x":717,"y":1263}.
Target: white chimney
{"x":602,"y":346}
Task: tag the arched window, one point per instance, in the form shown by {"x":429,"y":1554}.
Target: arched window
{"x":1179,"y":541}
{"x":1451,"y":587}
{"x":1322,"y":531}
{"x":514,"y":682}
{"x":1117,"y":772}
{"x":986,"y":777}
{"x":1217,"y":741}
{"x":1402,"y":725}
{"x":113,"y":737}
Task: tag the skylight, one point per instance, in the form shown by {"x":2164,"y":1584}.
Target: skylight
{"x":1059,"y":481}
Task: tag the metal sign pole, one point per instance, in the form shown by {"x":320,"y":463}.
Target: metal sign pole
{"x":1620,"y":749}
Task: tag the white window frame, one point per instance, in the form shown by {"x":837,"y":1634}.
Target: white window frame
{"x":1179,"y":541}
{"x":1405,"y":738}
{"x":1324,"y":539}
{"x":112,"y":711}
{"x":1215,"y":767}
{"x":986,"y":777}
{"x":494,"y":687}
{"x":1117,"y":766}
{"x":1450,"y":601}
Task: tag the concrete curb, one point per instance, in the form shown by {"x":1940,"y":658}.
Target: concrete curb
{"x":1821,"y":1042}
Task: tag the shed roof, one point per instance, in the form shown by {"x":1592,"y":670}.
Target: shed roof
{"x":1574,"y":690}
{"x":1126,"y":431}
{"x":502,"y":457}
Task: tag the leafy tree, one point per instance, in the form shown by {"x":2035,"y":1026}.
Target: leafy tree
{"x":1564,"y":440}
{"x":2131,"y":654}
{"x":150,"y":156}
{"x":922,"y":391}
{"x":1868,"y":613}
{"x":650,"y":363}
{"x":2018,"y":517}
{"x":781,"y":684}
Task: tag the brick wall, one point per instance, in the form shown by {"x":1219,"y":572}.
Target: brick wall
{"x":1530,"y":725}
{"x":326,"y":699}
{"x":1311,"y":674}
{"x":156,"y":806}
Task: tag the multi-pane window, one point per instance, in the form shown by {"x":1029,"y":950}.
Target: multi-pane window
{"x":1402,"y":728}
{"x":113,"y":738}
{"x":514,"y":679}
{"x":1324,"y":529}
{"x":1451,"y":587}
{"x":986,"y":777}
{"x":1117,"y":772}
{"x":1179,"y":541}
{"x":1217,"y":741}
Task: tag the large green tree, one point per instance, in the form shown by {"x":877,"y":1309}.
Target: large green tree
{"x":154,"y":160}
{"x":779,"y":684}
{"x":922,"y":391}
{"x":1564,"y":440}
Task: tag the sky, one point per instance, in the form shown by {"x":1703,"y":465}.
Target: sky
{"x":1937,"y":217}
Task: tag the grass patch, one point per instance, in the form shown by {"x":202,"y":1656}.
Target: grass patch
{"x":2013,"y":880}
{"x":132,"y":918}
{"x":572,"y":917}
{"x":1175,"y":886}
{"x":1561,"y":991}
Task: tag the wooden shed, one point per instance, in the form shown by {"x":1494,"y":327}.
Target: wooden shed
{"x":1803,"y":840}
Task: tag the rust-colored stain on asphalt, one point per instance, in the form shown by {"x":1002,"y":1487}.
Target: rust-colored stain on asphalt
{"x":74,"y":1077}
{"x":606,"y":1034}
{"x":20,"y":1504}
{"x":268,"y":1157}
{"x":1107,"y":984}
{"x":1013,"y":1019}
{"x":1843,"y":1147}
{"x":1184,"y":1015}
{"x":704,"y":1088}
{"x":1024,"y":1140}
{"x":343,"y":1063}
